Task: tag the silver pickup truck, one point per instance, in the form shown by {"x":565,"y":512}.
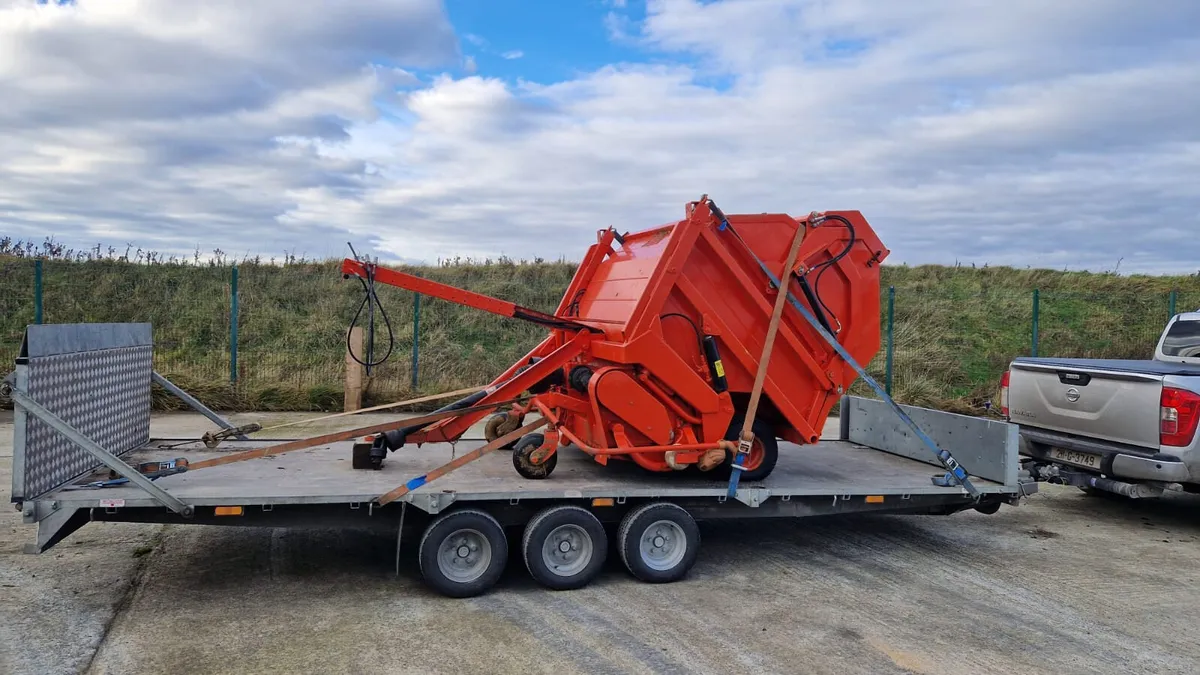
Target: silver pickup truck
{"x":1125,"y":427}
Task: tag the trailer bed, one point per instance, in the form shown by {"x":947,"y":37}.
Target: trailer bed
{"x":322,"y":475}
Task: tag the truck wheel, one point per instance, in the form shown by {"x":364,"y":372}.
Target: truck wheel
{"x":463,"y":553}
{"x":564,"y":547}
{"x":658,"y":542}
{"x":764,"y":453}
{"x":521,"y":452}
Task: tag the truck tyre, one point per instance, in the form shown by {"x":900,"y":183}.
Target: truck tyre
{"x":463,"y":553}
{"x":763,"y":456}
{"x":564,"y":547}
{"x":658,"y":542}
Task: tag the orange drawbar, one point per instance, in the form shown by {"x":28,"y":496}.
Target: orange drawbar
{"x":653,"y":350}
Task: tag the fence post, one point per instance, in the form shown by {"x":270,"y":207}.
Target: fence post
{"x":352,"y":400}
{"x":891,"y":320}
{"x":416,"y":340}
{"x":233,"y":327}
{"x":37,"y":291}
{"x":1036,"y":304}
{"x":1171,"y":299}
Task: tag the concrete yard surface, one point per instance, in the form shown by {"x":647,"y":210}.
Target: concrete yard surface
{"x":1064,"y":583}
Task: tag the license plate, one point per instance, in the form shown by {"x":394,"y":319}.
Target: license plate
{"x":1073,"y":457}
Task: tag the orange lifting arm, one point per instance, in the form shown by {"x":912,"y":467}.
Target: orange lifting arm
{"x":355,"y":268}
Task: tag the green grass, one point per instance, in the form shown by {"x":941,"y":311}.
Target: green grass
{"x":956,"y":328}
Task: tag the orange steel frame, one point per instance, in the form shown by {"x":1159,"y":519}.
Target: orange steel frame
{"x":651,"y":397}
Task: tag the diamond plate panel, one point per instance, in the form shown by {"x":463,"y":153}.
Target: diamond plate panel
{"x":104,"y":393}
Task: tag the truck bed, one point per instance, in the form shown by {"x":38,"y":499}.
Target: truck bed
{"x":323,"y":475}
{"x":1147,"y":367}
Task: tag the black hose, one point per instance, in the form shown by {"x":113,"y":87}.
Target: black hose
{"x":829,"y":263}
{"x":815,"y":303}
{"x":695,"y":328}
{"x":371,"y":301}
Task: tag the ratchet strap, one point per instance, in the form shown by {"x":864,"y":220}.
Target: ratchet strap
{"x":346,"y":435}
{"x":429,"y":477}
{"x":954,"y":471}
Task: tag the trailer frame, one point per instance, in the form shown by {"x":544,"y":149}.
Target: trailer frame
{"x":81,"y":393}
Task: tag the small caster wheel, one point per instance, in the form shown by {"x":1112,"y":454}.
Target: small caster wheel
{"x":521,"y":453}
{"x":658,"y":542}
{"x":500,"y":424}
{"x":564,"y":547}
{"x":463,"y":553}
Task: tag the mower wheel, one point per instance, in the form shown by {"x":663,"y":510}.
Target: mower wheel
{"x":463,"y":553}
{"x":521,"y":453}
{"x":763,"y":454}
{"x":658,"y":542}
{"x":564,"y":547}
{"x":498,"y":425}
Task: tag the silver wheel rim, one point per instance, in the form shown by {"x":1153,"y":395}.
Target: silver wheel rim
{"x":567,"y":550}
{"x":662,"y":545}
{"x":464,"y":556}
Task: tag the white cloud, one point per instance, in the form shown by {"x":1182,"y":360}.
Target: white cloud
{"x":1056,"y":134}
{"x":513,"y":54}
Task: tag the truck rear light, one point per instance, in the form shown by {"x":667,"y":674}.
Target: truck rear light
{"x":1004,"y":393}
{"x":1179,"y":415}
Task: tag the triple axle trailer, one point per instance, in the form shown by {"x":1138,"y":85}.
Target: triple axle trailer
{"x":82,"y":416}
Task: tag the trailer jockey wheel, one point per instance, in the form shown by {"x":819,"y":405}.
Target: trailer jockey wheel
{"x":463,"y":553}
{"x":564,"y":547}
{"x":524,"y":466}
{"x":658,"y":542}
{"x":764,"y":453}
{"x":500,"y":424}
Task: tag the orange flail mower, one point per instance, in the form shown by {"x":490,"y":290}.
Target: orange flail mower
{"x":652,"y":353}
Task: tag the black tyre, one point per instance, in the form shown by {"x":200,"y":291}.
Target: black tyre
{"x":463,"y":553}
{"x":658,"y":542}
{"x":988,"y":507}
{"x":564,"y":547}
{"x":521,"y":452}
{"x":763,"y":456}
{"x":496,"y":427}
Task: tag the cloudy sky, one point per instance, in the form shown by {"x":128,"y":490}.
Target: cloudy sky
{"x":1046,"y":133}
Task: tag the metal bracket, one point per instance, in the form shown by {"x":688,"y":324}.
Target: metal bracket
{"x":752,"y":497}
{"x":55,"y":526}
{"x":105,"y":457}
{"x":196,"y":405}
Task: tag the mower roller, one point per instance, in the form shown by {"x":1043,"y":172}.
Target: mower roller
{"x":653,"y":351}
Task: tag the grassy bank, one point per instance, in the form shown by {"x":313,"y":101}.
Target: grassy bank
{"x":955,"y":328}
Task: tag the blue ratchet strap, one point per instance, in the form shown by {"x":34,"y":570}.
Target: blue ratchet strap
{"x":736,"y":474}
{"x":954,"y":471}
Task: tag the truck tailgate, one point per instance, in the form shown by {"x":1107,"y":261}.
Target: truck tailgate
{"x":1113,"y":405}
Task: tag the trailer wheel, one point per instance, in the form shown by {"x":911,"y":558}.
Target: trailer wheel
{"x":658,"y":542}
{"x":564,"y":547}
{"x":463,"y":553}
{"x":764,"y":453}
{"x":521,"y":452}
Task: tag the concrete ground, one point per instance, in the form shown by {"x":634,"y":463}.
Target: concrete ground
{"x":1064,"y":583}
